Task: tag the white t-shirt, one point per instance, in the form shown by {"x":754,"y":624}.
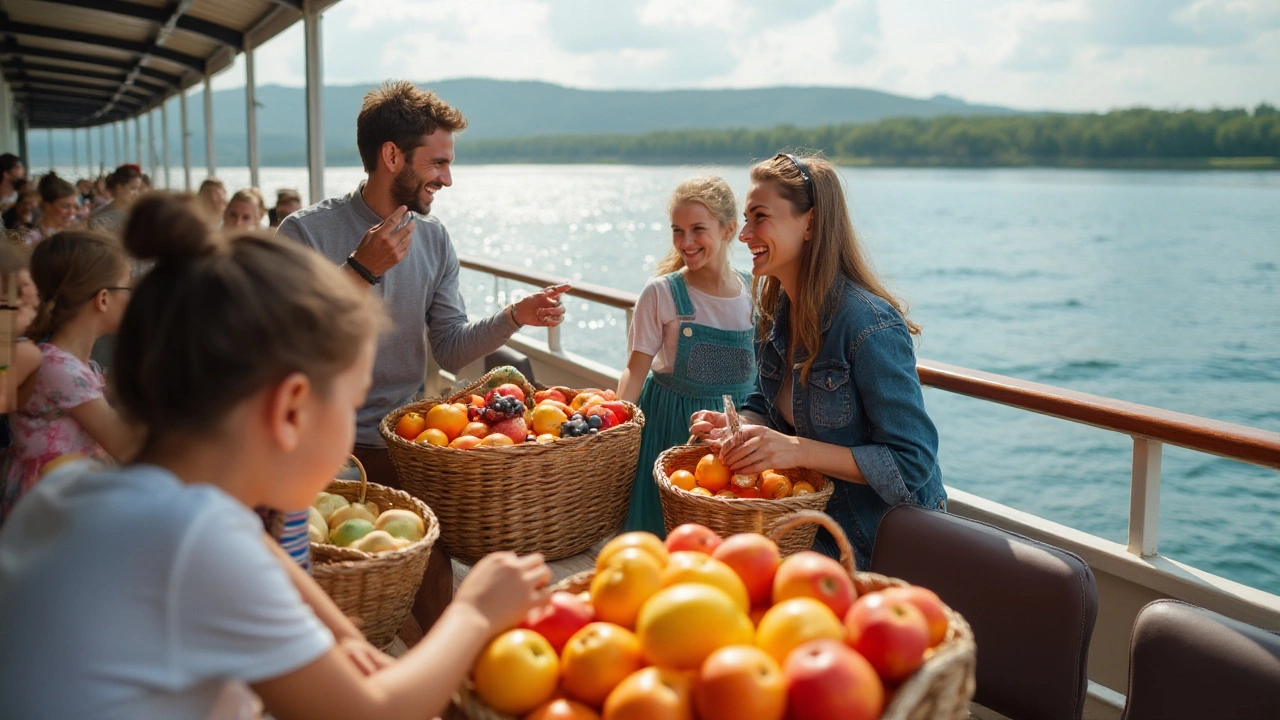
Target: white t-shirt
{"x":128,"y":594}
{"x":655,"y":326}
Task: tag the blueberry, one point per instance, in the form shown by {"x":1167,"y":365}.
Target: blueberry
{"x":595,"y":422}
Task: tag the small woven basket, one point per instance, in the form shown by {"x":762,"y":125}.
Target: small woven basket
{"x":557,"y":498}
{"x":939,"y":690}
{"x":375,"y":589}
{"x":734,"y":515}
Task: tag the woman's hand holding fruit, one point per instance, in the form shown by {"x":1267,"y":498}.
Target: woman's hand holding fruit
{"x":704,"y":423}
{"x":502,"y":587}
{"x":758,"y":448}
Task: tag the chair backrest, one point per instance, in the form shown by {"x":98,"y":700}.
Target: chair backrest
{"x":1032,"y":606}
{"x":1188,"y":662}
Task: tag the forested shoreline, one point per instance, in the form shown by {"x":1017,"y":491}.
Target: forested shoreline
{"x":1123,"y":138}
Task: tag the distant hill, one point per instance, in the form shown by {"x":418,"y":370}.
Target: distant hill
{"x":508,"y":109}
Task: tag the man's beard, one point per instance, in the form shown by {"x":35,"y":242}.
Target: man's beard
{"x":406,"y":189}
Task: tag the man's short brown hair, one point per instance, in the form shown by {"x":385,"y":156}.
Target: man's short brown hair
{"x":400,"y":113}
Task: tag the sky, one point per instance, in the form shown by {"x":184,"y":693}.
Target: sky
{"x":1070,"y":55}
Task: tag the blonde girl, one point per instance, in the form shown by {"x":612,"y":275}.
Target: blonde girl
{"x":244,"y":211}
{"x":150,"y":591}
{"x":83,"y":283}
{"x":691,"y":337}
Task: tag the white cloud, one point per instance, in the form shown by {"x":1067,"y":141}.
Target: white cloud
{"x":1055,"y":54}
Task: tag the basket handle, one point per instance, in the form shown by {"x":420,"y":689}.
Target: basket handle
{"x":791,"y":521}
{"x":364,"y":477}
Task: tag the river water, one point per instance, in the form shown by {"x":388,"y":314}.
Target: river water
{"x":1160,"y":288}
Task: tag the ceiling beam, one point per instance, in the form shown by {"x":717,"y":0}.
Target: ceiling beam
{"x":96,"y":60}
{"x":24,"y":77}
{"x":132,"y":46}
{"x":294,"y":4}
{"x":220,"y":34}
{"x":28,"y":91}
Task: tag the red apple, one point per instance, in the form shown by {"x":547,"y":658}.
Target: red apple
{"x":693,"y":537}
{"x":513,"y":428}
{"x":559,"y":618}
{"x":607,"y":417}
{"x":755,"y":558}
{"x":552,"y":394}
{"x":811,"y":574}
{"x":828,"y":681}
{"x":618,"y":408}
{"x":889,"y":632}
{"x":930,"y":605}
{"x":507,"y":389}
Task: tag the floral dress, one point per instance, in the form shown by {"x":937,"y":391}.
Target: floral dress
{"x":44,"y":429}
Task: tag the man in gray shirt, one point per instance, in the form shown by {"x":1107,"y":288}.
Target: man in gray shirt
{"x":384,"y":237}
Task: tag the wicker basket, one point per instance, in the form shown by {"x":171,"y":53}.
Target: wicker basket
{"x":940,"y":690}
{"x":556,"y":498}
{"x":733,"y":515}
{"x":375,"y":589}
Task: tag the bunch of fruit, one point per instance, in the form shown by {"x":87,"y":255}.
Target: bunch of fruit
{"x":334,"y":520}
{"x":502,"y":417}
{"x":697,"y":627}
{"x":712,"y":478}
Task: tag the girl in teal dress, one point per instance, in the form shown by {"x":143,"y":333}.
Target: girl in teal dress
{"x":691,"y":335}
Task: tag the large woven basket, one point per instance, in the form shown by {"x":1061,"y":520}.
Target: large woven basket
{"x":940,"y":690}
{"x":734,"y":515}
{"x":375,"y":589}
{"x":557,"y":498}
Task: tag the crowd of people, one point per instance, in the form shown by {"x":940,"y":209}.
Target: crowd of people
{"x":246,"y":366}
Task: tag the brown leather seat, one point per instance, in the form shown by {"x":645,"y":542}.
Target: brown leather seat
{"x":1032,"y":606}
{"x":1188,"y":662}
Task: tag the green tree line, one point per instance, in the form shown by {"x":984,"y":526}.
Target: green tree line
{"x":1135,"y":136}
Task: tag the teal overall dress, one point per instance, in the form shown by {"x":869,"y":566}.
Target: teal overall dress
{"x":709,"y":364}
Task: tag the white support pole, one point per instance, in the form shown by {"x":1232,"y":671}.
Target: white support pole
{"x":208,"y":126}
{"x":151,"y":147}
{"x":88,"y":155}
{"x":48,"y":135}
{"x":315,"y":90}
{"x":1144,"y":497}
{"x":164,"y":144}
{"x":75,"y":154}
{"x":186,"y":141}
{"x":102,"y":148}
{"x":137,"y":141}
{"x":251,"y":111}
{"x":115,"y":135}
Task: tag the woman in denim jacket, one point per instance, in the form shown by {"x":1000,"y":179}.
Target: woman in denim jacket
{"x":837,"y":390}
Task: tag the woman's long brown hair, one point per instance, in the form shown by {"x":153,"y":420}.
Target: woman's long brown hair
{"x":831,"y":254}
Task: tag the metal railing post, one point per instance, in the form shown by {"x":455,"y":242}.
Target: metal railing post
{"x":315,"y":92}
{"x":1144,"y":497}
{"x":186,"y":141}
{"x":251,"y":112}
{"x":164,"y":145}
{"x":208,"y":127}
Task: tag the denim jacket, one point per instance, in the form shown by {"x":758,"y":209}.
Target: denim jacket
{"x":864,"y":394}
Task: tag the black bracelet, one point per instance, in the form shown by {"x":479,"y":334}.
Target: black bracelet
{"x":362,"y":271}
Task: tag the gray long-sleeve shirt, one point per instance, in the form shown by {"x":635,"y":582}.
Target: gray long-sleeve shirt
{"x":420,"y":293}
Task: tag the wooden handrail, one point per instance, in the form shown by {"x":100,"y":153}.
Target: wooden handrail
{"x":587,"y":291}
{"x":1238,"y":442}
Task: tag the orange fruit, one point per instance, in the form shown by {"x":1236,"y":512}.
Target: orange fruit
{"x":585,"y":400}
{"x":466,"y":442}
{"x":688,"y":566}
{"x":681,"y":625}
{"x":545,"y":438}
{"x":684,"y":480}
{"x":792,"y":623}
{"x":596,"y":659}
{"x":712,"y":474}
{"x":496,"y":440}
{"x":449,"y":419}
{"x":476,"y":428}
{"x":620,"y":588}
{"x":774,"y":485}
{"x":651,"y":694}
{"x":740,"y":681}
{"x":803,"y":487}
{"x":432,"y":436}
{"x":562,"y":709}
{"x":643,"y":540}
{"x":410,"y":425}
{"x":516,"y":672}
{"x":700,"y":491}
{"x":477,"y":401}
{"x":547,"y":419}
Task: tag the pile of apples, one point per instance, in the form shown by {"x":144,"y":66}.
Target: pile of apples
{"x":334,"y":520}
{"x":712,"y":479}
{"x":503,"y":417}
{"x":697,"y":627}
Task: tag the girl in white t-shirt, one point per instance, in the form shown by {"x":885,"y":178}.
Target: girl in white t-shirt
{"x":151,"y":591}
{"x":693,"y":328}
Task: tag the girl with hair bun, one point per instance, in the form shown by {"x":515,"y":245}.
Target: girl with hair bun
{"x":83,"y":283}
{"x":245,"y":358}
{"x":836,"y":388}
{"x":692,"y":328}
